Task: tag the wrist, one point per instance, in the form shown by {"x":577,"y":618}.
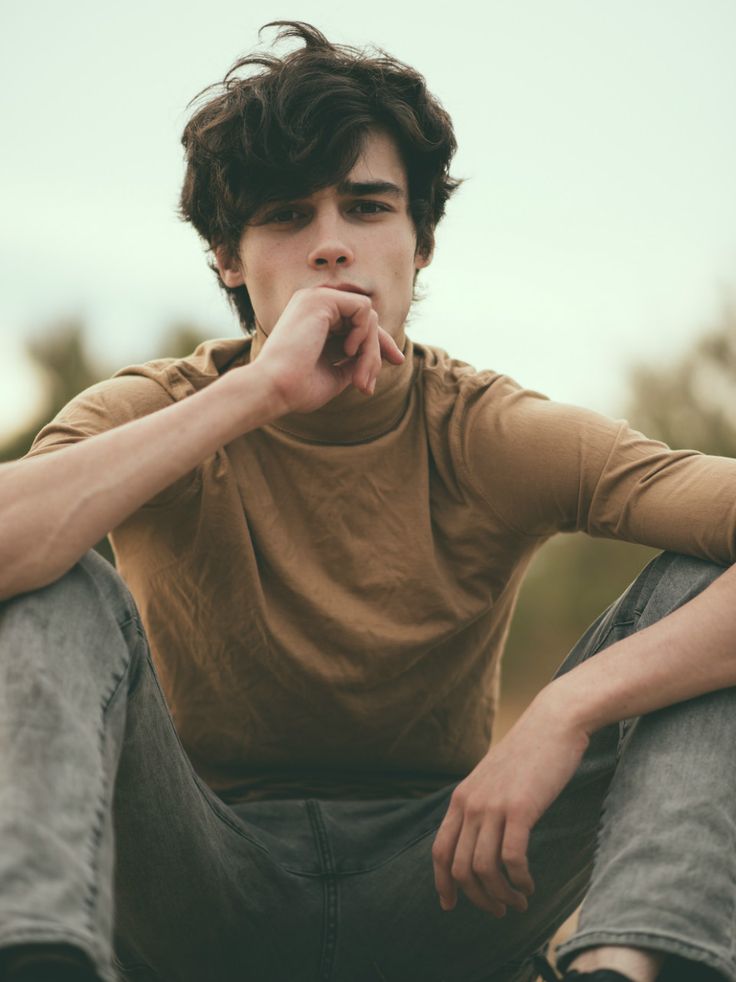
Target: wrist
{"x":254,"y":398}
{"x":565,"y":706}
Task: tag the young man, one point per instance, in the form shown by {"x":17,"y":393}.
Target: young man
{"x":323,"y":527}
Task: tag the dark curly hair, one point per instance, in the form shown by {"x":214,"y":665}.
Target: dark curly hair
{"x":297,"y":126}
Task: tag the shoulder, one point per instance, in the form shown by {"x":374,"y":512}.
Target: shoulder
{"x":137,"y":390}
{"x":526,"y":456}
{"x":478,"y":403}
{"x":451,"y":387}
{"x":180,"y":377}
{"x":444,"y":376}
{"x":485,"y":402}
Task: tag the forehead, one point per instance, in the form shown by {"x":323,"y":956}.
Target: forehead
{"x":379,"y":160}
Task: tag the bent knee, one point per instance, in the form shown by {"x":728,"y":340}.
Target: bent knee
{"x":92,"y":582}
{"x":677,"y":579}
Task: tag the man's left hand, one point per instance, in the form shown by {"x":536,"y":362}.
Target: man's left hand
{"x":482,"y":843}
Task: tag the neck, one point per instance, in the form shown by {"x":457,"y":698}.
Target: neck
{"x":352,"y":417}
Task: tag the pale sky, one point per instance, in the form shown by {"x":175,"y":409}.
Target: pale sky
{"x":597,"y":226}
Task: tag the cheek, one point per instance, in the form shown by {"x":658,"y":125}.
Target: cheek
{"x":261,"y":269}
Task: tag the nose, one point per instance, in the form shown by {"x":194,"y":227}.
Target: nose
{"x":330,"y":250}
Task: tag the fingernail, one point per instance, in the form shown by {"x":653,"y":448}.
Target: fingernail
{"x":372,"y":387}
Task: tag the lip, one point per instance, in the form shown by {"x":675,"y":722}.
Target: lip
{"x":346,"y":287}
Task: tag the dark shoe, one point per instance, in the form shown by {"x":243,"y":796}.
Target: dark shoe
{"x":599,"y":975}
{"x":45,"y":963}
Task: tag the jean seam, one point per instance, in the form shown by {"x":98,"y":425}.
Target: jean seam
{"x":94,"y":842}
{"x":626,"y":621}
{"x":412,"y":842}
{"x":329,"y":880}
{"x":226,"y":816}
{"x":649,"y":571}
{"x":616,"y":624}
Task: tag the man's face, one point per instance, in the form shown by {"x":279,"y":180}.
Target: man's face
{"x":358,"y":232}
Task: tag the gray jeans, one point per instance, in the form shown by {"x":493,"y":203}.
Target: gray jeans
{"x":109,"y":840}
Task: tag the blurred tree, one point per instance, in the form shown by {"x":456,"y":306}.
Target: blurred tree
{"x":181,"y":338}
{"x":59,"y":354}
{"x":690,"y":403}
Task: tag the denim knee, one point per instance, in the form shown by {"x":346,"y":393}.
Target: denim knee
{"x":670,"y":581}
{"x":88,"y":610}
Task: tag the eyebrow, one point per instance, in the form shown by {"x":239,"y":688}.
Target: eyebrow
{"x":360,"y":188}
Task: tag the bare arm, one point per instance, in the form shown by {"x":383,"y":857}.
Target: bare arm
{"x":55,"y":507}
{"x":686,"y":654}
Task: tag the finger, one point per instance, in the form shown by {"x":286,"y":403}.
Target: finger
{"x":389,"y":348}
{"x":486,"y":866}
{"x":351,"y":310}
{"x":356,"y":338}
{"x":369,"y":362}
{"x":358,"y":311}
{"x":443,"y":851}
{"x":464,"y":873}
{"x":362,"y":344}
{"x":514,"y":857}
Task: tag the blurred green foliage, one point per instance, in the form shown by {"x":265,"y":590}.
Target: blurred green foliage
{"x":574,"y":577}
{"x":60,"y":353}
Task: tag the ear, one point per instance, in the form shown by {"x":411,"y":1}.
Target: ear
{"x":422,"y":260}
{"x":229,"y":268}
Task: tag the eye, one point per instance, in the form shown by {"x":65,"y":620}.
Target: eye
{"x":284,"y":216}
{"x":370,"y":207}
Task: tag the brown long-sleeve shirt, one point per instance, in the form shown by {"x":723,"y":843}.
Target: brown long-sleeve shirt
{"x":327,"y":598}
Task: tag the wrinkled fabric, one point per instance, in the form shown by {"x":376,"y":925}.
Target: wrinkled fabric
{"x":327,"y":597}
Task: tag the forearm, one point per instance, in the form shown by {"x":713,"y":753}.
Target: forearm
{"x":56,"y":506}
{"x":690,"y":652}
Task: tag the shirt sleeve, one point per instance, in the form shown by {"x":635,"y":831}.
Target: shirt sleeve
{"x":546,"y":467}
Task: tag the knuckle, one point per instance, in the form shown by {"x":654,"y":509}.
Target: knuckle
{"x":482,"y":868}
{"x":475,"y":808}
{"x":458,"y":872}
{"x":511,"y":859}
{"x":457,"y":798}
{"x":439,"y":852}
{"x":463,"y":875}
